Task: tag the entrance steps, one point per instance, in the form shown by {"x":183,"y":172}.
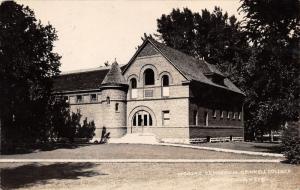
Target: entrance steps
{"x":136,"y":138}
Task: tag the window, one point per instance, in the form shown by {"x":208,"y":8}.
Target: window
{"x":79,"y":98}
{"x":205,"y":118}
{"x":149,"y":77}
{"x":228,"y":115}
{"x":165,"y":85}
{"x":165,"y":80}
{"x":66,"y":99}
{"x":221,"y":114}
{"x":93,"y":97}
{"x":166,"y":117}
{"x":234,"y":116}
{"x":133,"y":86}
{"x":239,"y":116}
{"x":142,"y":118}
{"x":133,"y":83}
{"x":117,"y":107}
{"x":195,"y":117}
{"x":107,"y":100}
{"x":214,"y":114}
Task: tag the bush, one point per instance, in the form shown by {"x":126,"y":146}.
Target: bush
{"x":291,"y":143}
{"x":87,"y":130}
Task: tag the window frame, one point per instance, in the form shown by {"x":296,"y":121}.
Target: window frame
{"x":165,"y":88}
{"x":214,"y":114}
{"x":79,"y":100}
{"x":146,"y":77}
{"x":91,"y":98}
{"x":221,"y":114}
{"x":117,"y":107}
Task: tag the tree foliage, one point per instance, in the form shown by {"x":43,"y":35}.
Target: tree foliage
{"x":272,"y":28}
{"x":214,"y":36}
{"x":27,"y":65}
{"x":291,"y":142}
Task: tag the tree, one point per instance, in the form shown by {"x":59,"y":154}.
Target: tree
{"x":27,"y":66}
{"x":291,"y":142}
{"x":272,"y":86}
{"x":214,"y":36}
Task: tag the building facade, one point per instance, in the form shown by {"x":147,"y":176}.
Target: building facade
{"x":160,"y":91}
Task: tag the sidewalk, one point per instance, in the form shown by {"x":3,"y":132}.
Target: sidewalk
{"x":142,"y":160}
{"x":223,"y":150}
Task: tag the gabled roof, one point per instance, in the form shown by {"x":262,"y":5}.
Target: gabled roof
{"x":114,"y":76}
{"x":81,"y":80}
{"x":191,"y":68}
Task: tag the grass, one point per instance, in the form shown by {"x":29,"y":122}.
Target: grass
{"x":137,"y":176}
{"x":129,"y":151}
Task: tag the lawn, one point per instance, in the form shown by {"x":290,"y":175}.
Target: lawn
{"x":246,"y":146}
{"x":136,"y":176}
{"x":128,"y":151}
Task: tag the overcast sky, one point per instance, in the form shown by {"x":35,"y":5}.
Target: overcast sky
{"x":92,"y":32}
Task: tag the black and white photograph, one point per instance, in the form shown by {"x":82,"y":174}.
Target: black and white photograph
{"x":151,"y":94}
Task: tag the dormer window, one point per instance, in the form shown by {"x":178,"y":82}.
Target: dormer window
{"x":216,"y":78}
{"x":149,"y":77}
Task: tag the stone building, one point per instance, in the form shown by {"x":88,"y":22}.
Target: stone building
{"x":160,"y":91}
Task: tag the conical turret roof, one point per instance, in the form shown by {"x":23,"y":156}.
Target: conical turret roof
{"x":114,"y":76}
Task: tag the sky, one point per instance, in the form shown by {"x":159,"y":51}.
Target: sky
{"x":92,"y":32}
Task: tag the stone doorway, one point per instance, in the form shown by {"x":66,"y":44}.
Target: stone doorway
{"x":141,"y":121}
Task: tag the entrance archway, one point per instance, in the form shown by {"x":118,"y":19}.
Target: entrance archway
{"x":141,"y":121}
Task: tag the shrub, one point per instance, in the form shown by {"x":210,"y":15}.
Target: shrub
{"x":291,"y":143}
{"x":87,"y":130}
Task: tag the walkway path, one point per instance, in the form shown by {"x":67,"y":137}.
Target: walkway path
{"x":224,"y":150}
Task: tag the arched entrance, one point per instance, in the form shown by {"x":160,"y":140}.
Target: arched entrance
{"x":141,"y":121}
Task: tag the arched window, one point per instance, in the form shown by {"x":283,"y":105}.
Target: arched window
{"x":149,"y":77}
{"x":142,"y":118}
{"x":107,"y":100}
{"x":165,"y":80}
{"x":133,"y":83}
{"x":165,"y":85}
{"x":133,"y":86}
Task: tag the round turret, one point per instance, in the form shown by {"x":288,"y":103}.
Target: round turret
{"x":113,"y":92}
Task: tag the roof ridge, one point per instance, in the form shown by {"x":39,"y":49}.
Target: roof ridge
{"x":88,"y":70}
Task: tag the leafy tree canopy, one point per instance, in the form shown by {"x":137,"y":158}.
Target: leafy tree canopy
{"x":272,"y":28}
{"x":27,"y":65}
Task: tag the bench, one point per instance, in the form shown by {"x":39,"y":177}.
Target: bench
{"x":237,"y":138}
{"x":220,"y":139}
{"x":198,"y":140}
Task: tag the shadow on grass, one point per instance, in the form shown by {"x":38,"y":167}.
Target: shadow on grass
{"x":32,"y":174}
{"x":26,"y":149}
